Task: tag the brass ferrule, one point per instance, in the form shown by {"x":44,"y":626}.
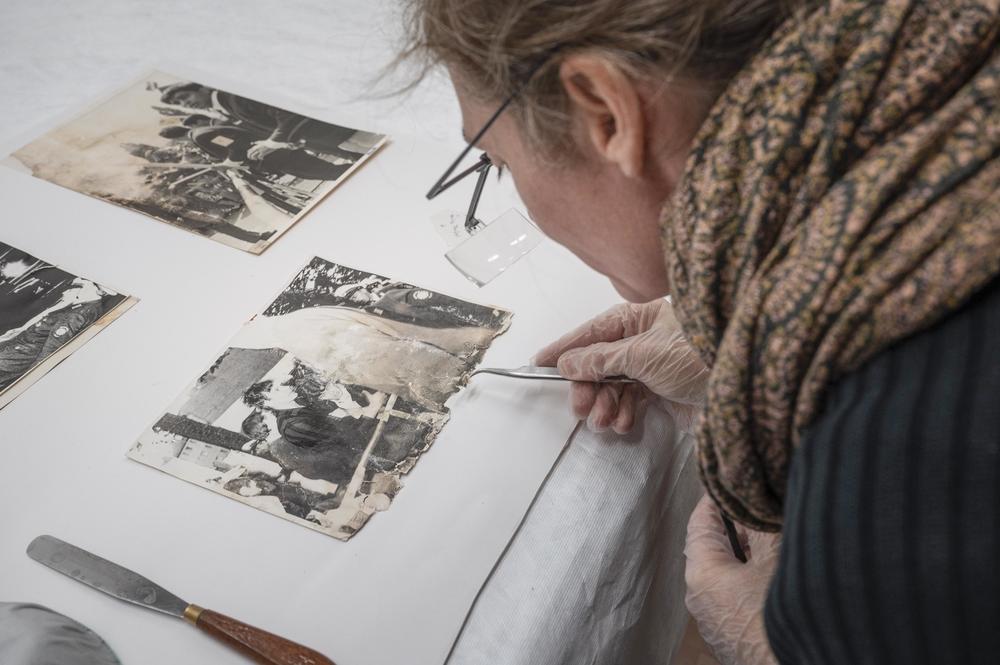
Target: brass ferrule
{"x":191,"y":613}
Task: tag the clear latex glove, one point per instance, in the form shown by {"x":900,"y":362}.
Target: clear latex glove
{"x":642,"y":342}
{"x":724,"y":596}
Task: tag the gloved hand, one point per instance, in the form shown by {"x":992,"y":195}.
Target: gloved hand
{"x":724,"y":596}
{"x":642,"y":342}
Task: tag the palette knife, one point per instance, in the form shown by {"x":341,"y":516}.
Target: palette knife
{"x":542,"y":373}
{"x":122,"y":583}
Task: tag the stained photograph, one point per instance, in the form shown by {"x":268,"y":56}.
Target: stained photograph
{"x":45,"y":314}
{"x":324,"y":400}
{"x":217,"y":164}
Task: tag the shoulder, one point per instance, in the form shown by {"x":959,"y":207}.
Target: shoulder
{"x":902,"y":460}
{"x":942,"y":353}
{"x":921,"y":391}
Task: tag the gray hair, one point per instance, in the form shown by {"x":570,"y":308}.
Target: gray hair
{"x":495,"y":43}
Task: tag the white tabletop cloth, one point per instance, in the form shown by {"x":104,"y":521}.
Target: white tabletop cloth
{"x":595,"y":576}
{"x":595,"y":573}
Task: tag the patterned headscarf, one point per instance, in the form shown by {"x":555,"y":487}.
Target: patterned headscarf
{"x":843,"y":194}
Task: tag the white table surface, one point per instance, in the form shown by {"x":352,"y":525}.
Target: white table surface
{"x":595,"y":573}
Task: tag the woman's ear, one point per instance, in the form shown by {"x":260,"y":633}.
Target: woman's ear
{"x":610,"y":107}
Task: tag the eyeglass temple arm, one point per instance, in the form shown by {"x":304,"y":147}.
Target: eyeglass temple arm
{"x":443,"y":182}
{"x":483,"y":160}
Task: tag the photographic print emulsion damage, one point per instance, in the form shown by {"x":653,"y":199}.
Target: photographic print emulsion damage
{"x":230,"y":168}
{"x":324,"y":400}
{"x":45,"y":314}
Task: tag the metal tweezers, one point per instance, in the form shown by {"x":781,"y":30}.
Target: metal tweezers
{"x":544,"y":373}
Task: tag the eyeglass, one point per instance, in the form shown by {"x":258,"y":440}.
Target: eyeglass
{"x":483,"y":164}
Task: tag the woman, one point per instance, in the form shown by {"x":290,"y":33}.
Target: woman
{"x":816,"y":185}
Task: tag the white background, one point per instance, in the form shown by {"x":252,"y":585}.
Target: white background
{"x":594,"y":572}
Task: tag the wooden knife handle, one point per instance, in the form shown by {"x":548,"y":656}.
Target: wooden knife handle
{"x":261,"y":646}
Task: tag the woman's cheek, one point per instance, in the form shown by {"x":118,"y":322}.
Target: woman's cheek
{"x":536,"y":212}
{"x":551,"y":205}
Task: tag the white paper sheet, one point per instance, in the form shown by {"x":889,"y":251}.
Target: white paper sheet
{"x":400,"y":590}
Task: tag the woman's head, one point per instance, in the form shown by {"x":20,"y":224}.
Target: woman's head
{"x":272,"y":395}
{"x":597,"y":136}
{"x":190,"y":95}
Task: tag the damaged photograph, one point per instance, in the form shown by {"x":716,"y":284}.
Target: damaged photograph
{"x":322,"y":402}
{"x":226,"y":167}
{"x":45,"y":314}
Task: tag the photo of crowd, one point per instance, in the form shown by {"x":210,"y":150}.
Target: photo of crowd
{"x":322,"y":402}
{"x":212,"y":162}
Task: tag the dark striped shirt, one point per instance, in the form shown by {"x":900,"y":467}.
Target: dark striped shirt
{"x":891,"y":543}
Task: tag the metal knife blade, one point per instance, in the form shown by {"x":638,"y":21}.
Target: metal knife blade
{"x":545,"y":373}
{"x":104,"y":575}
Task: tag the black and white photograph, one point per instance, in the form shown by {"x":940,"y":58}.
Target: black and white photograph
{"x":46,"y":313}
{"x":324,"y":400}
{"x":233,"y":169}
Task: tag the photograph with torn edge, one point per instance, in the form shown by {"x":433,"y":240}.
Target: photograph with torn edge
{"x":230,"y":168}
{"x":324,"y":400}
{"x":45,"y":314}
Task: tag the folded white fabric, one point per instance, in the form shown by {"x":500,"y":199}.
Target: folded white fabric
{"x":35,"y":635}
{"x":595,"y":576}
